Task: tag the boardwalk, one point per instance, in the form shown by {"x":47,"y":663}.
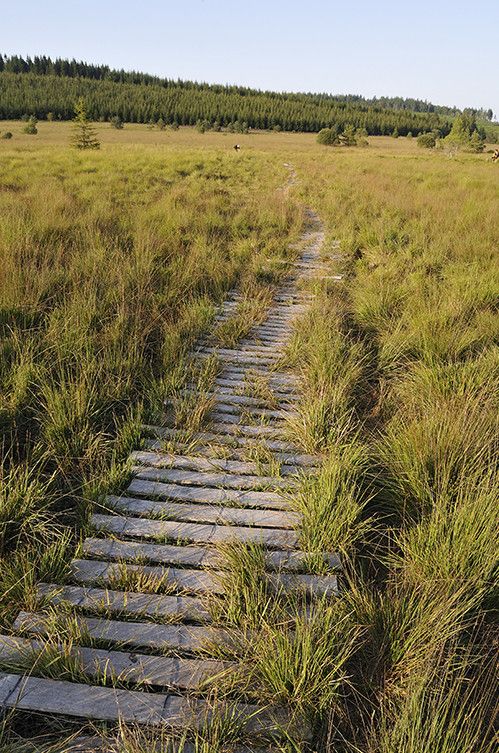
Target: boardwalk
{"x":168,"y":524}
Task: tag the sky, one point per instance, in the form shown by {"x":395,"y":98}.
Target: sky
{"x":441,"y":51}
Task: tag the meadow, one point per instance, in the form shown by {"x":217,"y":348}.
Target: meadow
{"x":112,"y":262}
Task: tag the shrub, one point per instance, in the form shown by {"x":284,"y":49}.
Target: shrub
{"x":327,"y":136}
{"x":30,"y":127}
{"x":116,"y":122}
{"x":348,"y":137}
{"x":7,"y":135}
{"x":427,"y":140}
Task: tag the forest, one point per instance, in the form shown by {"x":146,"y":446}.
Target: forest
{"x":48,"y":89}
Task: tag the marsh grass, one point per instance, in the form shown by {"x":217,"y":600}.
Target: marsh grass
{"x":112,"y":264}
{"x":417,"y":314}
{"x":332,"y":367}
{"x":250,"y":312}
{"x":398,"y":370}
{"x":332,"y":504}
{"x":134,"y":579}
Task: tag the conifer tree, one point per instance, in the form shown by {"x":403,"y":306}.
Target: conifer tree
{"x":30,"y":126}
{"x":84,"y":135}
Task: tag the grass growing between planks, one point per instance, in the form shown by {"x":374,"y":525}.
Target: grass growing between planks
{"x":399,"y":369}
{"x":111,"y":266}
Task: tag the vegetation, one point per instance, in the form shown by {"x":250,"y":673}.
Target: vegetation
{"x":84,"y":135}
{"x":50,"y":88}
{"x":411,"y":439}
{"x":398,"y":360}
{"x":349,"y":136}
{"x":466,"y":133}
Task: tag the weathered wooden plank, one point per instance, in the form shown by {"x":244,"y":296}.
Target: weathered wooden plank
{"x":270,"y":414}
{"x":211,"y":437}
{"x":161,"y":671}
{"x":213,"y":478}
{"x":152,"y":635}
{"x":231,"y":398}
{"x":95,"y":744}
{"x":94,"y":571}
{"x":237,"y":353}
{"x":196,"y":463}
{"x":199,"y":513}
{"x":201,"y":534}
{"x":284,"y":392}
{"x":166,"y":554}
{"x":62,"y":698}
{"x":179,"y":579}
{"x":264,"y":500}
{"x":109,"y":601}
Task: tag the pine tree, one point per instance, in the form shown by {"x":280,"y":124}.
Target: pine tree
{"x":30,"y":126}
{"x":84,"y":135}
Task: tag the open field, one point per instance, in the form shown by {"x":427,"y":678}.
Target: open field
{"x":112,"y":264}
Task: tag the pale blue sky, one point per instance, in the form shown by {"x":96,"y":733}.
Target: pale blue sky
{"x":443,"y":51}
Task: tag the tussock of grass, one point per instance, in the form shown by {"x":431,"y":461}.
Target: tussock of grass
{"x":331,"y":369}
{"x":247,"y":599}
{"x":449,"y":708}
{"x":301,"y":663}
{"x":331,"y":504}
{"x":134,"y":579}
{"x":250,"y":312}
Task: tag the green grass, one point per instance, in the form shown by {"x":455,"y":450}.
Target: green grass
{"x":398,"y":367}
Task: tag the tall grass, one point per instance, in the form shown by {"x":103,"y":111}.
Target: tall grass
{"x":111,"y":264}
{"x":418,"y":242}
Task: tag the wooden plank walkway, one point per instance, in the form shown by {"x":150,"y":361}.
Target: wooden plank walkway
{"x":167,"y":525}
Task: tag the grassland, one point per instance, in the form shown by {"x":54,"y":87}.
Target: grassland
{"x":111,"y":263}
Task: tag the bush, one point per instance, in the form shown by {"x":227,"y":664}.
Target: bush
{"x":116,"y":122}
{"x":30,"y":126}
{"x":327,"y":136}
{"x":348,"y":137}
{"x":7,"y":135}
{"x":427,"y":140}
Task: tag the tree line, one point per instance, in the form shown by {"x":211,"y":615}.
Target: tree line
{"x":50,"y":95}
{"x":44,"y":65}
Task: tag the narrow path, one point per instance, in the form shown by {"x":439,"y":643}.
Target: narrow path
{"x":167,"y":525}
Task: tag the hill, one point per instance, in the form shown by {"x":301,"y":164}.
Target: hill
{"x":49,"y":88}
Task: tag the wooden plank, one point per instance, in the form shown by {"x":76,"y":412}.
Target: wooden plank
{"x":211,"y":437}
{"x":179,"y":579}
{"x":270,"y":414}
{"x":62,"y":698}
{"x":95,"y":744}
{"x":201,"y":581}
{"x":201,"y":534}
{"x":155,"y":606}
{"x":151,"y":635}
{"x":211,"y":478}
{"x":264,"y":500}
{"x":199,"y":513}
{"x":166,"y":554}
{"x":122,"y":666}
{"x":197,"y":463}
{"x":239,"y":353}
